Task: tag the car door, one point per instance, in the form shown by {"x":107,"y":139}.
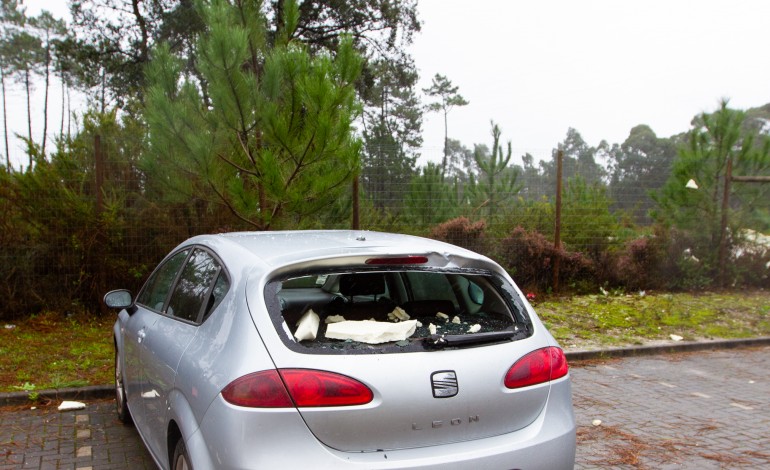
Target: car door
{"x":168,"y":338}
{"x":149,"y":303}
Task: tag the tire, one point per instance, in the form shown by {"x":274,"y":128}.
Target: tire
{"x":120,"y":392}
{"x":181,"y":460}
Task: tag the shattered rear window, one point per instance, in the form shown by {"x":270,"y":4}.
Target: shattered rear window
{"x":381,"y":311}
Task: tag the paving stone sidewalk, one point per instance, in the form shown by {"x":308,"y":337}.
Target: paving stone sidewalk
{"x":697,"y":410}
{"x":700,"y":410}
{"x":89,"y":439}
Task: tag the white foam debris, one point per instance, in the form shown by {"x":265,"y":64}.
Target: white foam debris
{"x":676,"y":338}
{"x":371,"y":332}
{"x":475,"y":328}
{"x":334,"y":319}
{"x":456,"y":320}
{"x":398,"y":314}
{"x":442,"y":316}
{"x":307,"y":326}
{"x":432,"y":329}
{"x":71,"y":406}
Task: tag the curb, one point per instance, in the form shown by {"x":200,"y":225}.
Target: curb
{"x":108,"y":391}
{"x":685,"y":346}
{"x":92,"y":392}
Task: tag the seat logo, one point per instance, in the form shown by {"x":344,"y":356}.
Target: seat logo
{"x":444,"y":384}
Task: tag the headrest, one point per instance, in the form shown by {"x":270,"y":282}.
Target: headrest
{"x":362,"y":284}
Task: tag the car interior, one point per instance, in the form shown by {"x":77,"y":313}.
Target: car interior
{"x":452,"y":301}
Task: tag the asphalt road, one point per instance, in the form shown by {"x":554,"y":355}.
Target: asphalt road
{"x":699,"y":410}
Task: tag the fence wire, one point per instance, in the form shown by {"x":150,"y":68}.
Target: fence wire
{"x":62,"y":248}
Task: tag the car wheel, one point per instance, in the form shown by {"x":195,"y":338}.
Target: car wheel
{"x":120,"y":392}
{"x":181,"y":459}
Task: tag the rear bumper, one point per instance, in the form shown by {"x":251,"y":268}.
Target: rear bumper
{"x":238,"y":438}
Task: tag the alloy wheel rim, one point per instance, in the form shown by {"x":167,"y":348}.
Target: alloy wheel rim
{"x":181,"y":463}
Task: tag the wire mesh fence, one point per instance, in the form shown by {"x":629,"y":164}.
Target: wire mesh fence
{"x":74,"y":228}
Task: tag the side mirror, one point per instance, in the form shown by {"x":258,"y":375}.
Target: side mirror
{"x":119,"y":299}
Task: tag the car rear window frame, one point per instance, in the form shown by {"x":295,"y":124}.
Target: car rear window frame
{"x":272,"y":287}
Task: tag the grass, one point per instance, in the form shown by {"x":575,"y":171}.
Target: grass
{"x":597,"y":321}
{"x":49,"y":351}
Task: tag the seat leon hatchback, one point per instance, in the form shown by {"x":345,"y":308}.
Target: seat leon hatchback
{"x":337,"y":350}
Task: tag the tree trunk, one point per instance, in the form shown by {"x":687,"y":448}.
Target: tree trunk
{"x":45,"y":102}
{"x":69,"y":115}
{"x":5,"y":122}
{"x":446,"y":145}
{"x":104,"y":89}
{"x":144,"y":47}
{"x":63,"y":84}
{"x":29,"y":117}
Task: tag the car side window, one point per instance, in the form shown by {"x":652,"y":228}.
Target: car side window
{"x":158,"y":286}
{"x":194,"y":286}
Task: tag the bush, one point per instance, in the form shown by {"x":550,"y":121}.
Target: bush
{"x":462,"y":232}
{"x":639,"y":265}
{"x":751,"y":260}
{"x":683,"y":266}
{"x":529,"y":257}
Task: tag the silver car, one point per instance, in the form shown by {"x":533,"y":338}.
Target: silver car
{"x":335,"y":350}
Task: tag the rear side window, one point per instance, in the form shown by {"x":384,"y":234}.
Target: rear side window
{"x":159,"y":284}
{"x":431,"y":286}
{"x":194,"y":288}
{"x":221,"y":286}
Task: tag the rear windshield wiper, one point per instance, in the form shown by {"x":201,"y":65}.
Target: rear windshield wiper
{"x":450,"y":341}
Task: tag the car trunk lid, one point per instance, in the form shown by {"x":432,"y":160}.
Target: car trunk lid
{"x":422,"y":399}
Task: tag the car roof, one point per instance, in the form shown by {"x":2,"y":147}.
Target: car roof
{"x":280,"y":248}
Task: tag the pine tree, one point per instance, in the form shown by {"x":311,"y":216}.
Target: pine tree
{"x":448,"y":98}
{"x":275,"y":143}
{"x":717,"y":140}
{"x":496,"y":182}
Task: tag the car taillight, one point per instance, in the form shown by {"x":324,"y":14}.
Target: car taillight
{"x":258,"y":390}
{"x":317,"y":388}
{"x":537,"y":367}
{"x":303,"y":387}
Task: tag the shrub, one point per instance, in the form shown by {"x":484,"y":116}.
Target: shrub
{"x":638,"y":266}
{"x":529,"y":257}
{"x":683,"y":266}
{"x":462,"y":232}
{"x":751,"y":260}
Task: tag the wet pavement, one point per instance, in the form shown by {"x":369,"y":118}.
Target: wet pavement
{"x":92,"y":439}
{"x":698,"y":410}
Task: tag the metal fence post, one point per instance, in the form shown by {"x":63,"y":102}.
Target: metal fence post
{"x":557,"y":229}
{"x":99,"y":174}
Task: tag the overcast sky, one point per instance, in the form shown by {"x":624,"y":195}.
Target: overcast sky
{"x":601,"y":66}
{"x":538,"y":68}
